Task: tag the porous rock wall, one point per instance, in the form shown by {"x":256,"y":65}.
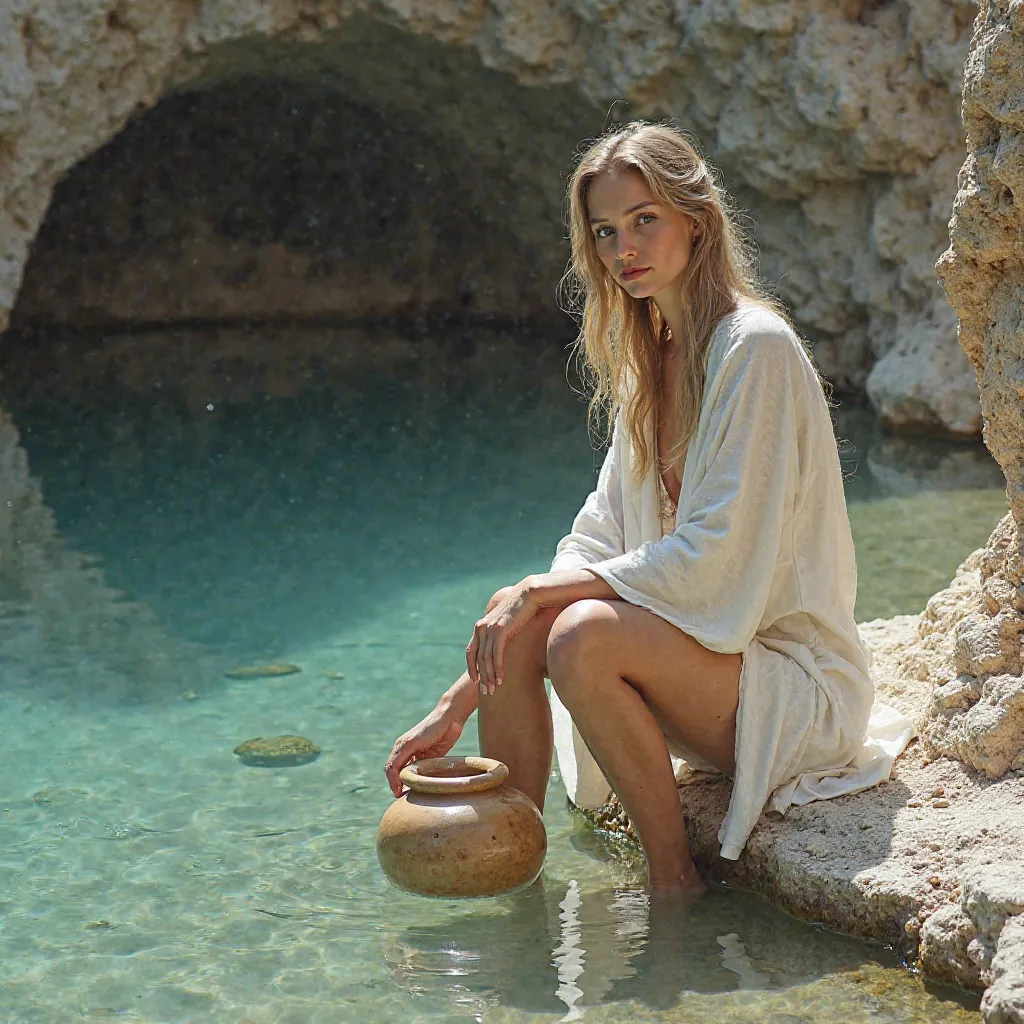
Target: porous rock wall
{"x":968,"y":642}
{"x":970,"y":635}
{"x":836,"y":123}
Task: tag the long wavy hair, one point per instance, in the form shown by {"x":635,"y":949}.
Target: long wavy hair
{"x":619,"y":342}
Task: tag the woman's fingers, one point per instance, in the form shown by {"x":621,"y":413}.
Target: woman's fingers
{"x":478,"y":673}
{"x":401,"y":754}
{"x":481,"y":653}
{"x":408,"y":747}
{"x":499,"y":656}
{"x":490,"y":642}
{"x":481,"y":662}
{"x":485,"y":653}
{"x":472,"y":650}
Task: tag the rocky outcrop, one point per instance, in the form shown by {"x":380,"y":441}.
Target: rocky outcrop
{"x":836,"y":124}
{"x":983,"y":269}
{"x":970,"y":636}
{"x":960,"y":941}
{"x":976,"y":713}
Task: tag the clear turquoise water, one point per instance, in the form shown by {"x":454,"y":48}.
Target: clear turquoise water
{"x":174,"y":505}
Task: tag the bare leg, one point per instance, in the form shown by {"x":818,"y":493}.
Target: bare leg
{"x":514,"y":723}
{"x":628,"y":678}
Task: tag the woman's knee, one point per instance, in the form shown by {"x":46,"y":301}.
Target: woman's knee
{"x":580,"y":634}
{"x":529,"y":646}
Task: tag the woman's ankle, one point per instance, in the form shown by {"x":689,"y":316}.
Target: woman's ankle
{"x":685,"y":881}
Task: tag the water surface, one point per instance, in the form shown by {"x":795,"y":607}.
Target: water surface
{"x":177,"y":504}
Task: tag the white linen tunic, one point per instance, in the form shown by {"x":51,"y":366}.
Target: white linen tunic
{"x":761,"y":563}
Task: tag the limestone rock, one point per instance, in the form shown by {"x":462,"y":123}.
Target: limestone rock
{"x":980,"y":940}
{"x":1003,"y":1002}
{"x":968,"y":652}
{"x":837,"y":125}
{"x":992,"y":894}
{"x":924,"y":380}
{"x":983,"y":268}
{"x":949,"y":947}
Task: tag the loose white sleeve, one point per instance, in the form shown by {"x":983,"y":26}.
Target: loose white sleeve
{"x":712,"y":576}
{"x":597,"y":530}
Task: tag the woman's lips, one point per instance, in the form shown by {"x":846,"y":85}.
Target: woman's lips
{"x":629,"y":275}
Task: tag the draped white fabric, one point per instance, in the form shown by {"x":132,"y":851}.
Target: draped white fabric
{"x":760,"y":563}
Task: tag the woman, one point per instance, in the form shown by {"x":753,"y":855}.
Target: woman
{"x":702,"y":605}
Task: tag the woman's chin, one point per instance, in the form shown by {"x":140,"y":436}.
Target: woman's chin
{"x":639,"y":289}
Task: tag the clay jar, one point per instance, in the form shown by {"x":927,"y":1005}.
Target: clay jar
{"x":460,"y":830}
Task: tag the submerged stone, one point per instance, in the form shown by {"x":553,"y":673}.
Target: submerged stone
{"x":262,"y":671}
{"x":277,"y":752}
{"x":58,"y":797}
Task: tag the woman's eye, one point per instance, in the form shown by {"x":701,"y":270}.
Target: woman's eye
{"x":600,"y":232}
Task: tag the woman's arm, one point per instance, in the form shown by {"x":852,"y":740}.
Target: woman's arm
{"x":566,"y":586}
{"x":597,"y":531}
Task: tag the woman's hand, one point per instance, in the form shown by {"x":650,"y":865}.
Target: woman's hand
{"x":433,"y":737}
{"x":507,"y":613}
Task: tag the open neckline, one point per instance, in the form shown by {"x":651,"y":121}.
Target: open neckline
{"x":668,"y":493}
{"x":663,"y":492}
{"x":742,"y":305}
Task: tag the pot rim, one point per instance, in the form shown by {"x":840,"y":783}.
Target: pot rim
{"x":488,"y":774}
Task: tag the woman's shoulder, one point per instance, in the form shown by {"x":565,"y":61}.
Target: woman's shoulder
{"x":753,"y":323}
{"x":753,"y":332}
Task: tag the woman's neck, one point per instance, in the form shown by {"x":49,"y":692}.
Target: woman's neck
{"x":669,"y":338}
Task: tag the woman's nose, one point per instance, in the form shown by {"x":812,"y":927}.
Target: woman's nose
{"x":625,"y":246}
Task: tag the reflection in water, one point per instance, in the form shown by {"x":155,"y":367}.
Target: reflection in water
{"x":60,"y":622}
{"x":602,"y":953}
{"x":561,"y":948}
{"x":380,"y":450}
{"x":172,"y":506}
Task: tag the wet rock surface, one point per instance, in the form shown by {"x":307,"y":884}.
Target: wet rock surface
{"x":271,"y":670}
{"x":277,"y":752}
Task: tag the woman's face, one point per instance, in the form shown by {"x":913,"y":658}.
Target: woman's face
{"x":645,"y":245}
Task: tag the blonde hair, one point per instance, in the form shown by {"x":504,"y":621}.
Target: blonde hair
{"x":619,"y":338}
